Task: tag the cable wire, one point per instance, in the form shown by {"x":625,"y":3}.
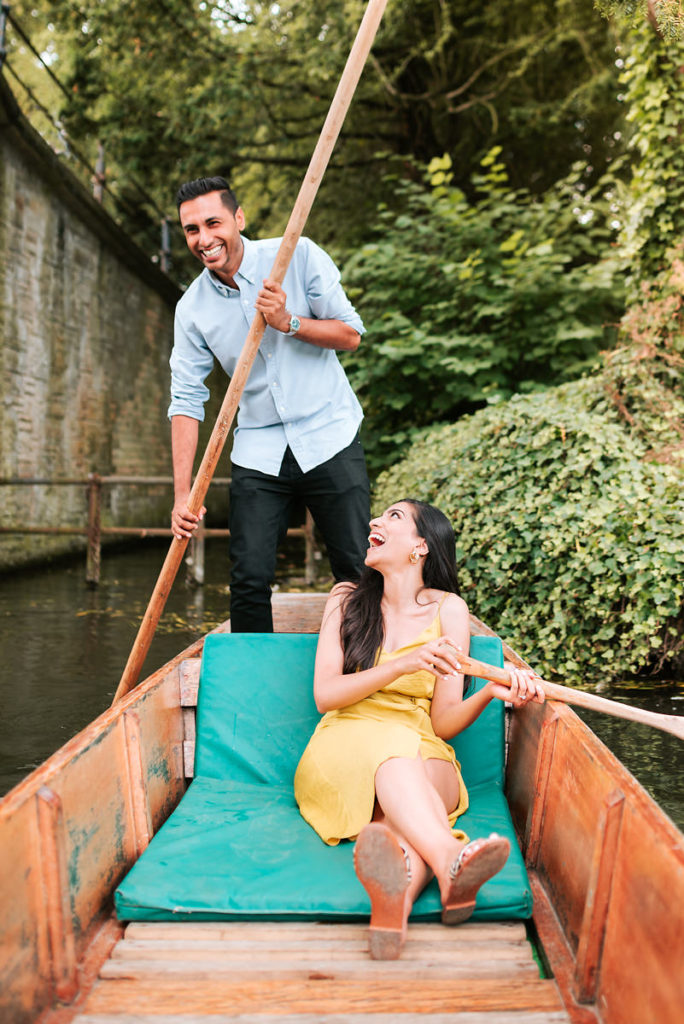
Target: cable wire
{"x":120,"y":204}
{"x":62,"y":132}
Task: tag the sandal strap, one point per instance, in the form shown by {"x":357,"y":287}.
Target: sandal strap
{"x":409,"y":873}
{"x":458,"y":863}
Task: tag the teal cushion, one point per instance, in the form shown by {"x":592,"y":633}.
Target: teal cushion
{"x":236,"y":846}
{"x":255,"y":710}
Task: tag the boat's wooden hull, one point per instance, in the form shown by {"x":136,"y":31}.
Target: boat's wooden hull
{"x":606,"y":865}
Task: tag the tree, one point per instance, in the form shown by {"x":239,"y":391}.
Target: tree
{"x":468,"y":301}
{"x":651,"y":206}
{"x":173,"y":88}
{"x":666,"y":16}
{"x":568,"y":504}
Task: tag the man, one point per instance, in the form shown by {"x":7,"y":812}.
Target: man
{"x":298,"y":421}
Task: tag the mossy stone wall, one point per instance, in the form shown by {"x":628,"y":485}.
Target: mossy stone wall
{"x":86,"y":329}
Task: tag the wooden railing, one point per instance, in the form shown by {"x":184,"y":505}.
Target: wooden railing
{"x":94,"y":531}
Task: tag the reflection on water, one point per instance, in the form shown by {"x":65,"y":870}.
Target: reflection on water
{"x":656,"y":758}
{"x":64,"y":647}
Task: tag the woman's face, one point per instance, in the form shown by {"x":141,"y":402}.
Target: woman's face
{"x":393,"y":536}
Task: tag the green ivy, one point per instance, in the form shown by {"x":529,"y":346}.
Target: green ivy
{"x":569,"y":507}
{"x":468,"y":301}
{"x":653,"y":201}
{"x":667,"y":14}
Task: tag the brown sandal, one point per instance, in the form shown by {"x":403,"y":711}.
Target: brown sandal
{"x":383,"y":868}
{"x":467,"y":874}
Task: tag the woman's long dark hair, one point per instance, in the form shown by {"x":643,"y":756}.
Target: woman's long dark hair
{"x":362,"y":630}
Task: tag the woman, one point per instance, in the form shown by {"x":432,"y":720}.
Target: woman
{"x":388,"y":678}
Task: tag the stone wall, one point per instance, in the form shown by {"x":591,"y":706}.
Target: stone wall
{"x":86,"y":324}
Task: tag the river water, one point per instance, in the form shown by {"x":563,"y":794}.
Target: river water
{"x":64,"y":647}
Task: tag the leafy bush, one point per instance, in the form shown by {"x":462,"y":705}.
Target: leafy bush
{"x":469,"y":301}
{"x":569,"y":507}
{"x":569,"y":544}
{"x":651,"y":205}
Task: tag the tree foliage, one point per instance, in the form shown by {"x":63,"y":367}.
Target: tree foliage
{"x":569,"y":506}
{"x":666,"y":16}
{"x":175,"y":89}
{"x":468,"y":301}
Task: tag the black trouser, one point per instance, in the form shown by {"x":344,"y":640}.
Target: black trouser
{"x":338,"y":495}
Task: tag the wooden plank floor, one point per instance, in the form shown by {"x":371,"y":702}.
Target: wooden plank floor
{"x":301,"y":973}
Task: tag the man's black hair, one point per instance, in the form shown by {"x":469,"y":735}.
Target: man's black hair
{"x":202,"y":187}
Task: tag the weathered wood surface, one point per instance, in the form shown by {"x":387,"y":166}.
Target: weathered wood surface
{"x":486,"y":1017}
{"x":481,"y":972}
{"x":71,"y":830}
{"x":607,"y":869}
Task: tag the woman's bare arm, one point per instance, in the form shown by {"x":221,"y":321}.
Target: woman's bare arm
{"x":447,"y":709}
{"x":450,"y":713}
{"x":335,"y":689}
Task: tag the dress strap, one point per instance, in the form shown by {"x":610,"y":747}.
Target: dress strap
{"x":438,"y":617}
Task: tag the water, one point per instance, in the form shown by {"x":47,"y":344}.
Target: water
{"x":64,"y":647}
{"x":656,"y":758}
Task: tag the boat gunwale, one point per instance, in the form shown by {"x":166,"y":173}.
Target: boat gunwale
{"x":525,"y":734}
{"x":82,"y":740}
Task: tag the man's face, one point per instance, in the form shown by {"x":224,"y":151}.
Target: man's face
{"x":212,"y":233}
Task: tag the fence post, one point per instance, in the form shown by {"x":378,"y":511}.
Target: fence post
{"x":94,"y":525}
{"x":195,"y":560}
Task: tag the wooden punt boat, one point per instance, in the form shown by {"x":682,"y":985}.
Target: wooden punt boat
{"x":606,"y":868}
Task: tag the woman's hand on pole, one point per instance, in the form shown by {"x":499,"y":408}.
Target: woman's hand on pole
{"x":525,"y":686}
{"x":437,"y":656}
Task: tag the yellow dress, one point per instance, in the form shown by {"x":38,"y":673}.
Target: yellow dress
{"x":335,"y":779}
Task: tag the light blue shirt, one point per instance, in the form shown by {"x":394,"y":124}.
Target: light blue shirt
{"x":297,"y":394}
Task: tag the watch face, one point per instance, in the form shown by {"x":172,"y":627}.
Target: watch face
{"x":295,"y":324}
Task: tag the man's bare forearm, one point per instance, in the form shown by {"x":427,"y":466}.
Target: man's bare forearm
{"x":333,"y":334}
{"x":184,"y":434}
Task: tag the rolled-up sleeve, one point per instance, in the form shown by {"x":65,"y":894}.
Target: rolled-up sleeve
{"x":191,"y":362}
{"x":326,"y":296}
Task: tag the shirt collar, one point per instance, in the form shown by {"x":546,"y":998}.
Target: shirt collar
{"x":247,"y":268}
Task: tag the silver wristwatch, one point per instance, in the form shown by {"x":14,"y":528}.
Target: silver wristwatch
{"x":295,"y":324}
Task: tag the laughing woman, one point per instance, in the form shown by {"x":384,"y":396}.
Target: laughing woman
{"x":378,"y":766}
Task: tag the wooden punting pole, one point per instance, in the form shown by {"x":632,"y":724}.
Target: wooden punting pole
{"x":673,"y":724}
{"x":307,"y":193}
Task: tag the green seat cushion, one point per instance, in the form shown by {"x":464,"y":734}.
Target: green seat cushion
{"x":236,"y":846}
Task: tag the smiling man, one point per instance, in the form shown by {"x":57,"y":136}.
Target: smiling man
{"x":297,"y":428}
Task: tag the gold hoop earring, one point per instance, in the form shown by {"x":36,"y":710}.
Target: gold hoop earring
{"x":413,"y":557}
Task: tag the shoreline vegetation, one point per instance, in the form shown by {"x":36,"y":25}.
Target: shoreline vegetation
{"x":493,"y":249}
{"x":569,"y":504}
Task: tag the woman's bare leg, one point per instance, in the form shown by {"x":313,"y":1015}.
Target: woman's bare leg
{"x":411,"y":824}
{"x":416,"y":797}
{"x":420,"y":873}
{"x":415,"y":800}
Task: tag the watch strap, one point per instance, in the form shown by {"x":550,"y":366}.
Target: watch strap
{"x":295,"y":324}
